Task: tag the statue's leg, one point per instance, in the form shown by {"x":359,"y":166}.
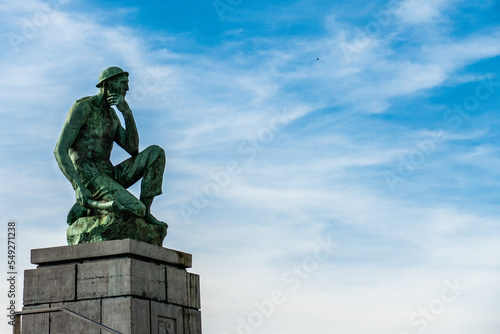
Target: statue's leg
{"x":104,"y":188}
{"x":148,"y":165}
{"x":149,"y":217}
{"x":77,"y":211}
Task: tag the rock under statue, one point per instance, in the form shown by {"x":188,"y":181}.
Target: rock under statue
{"x":104,"y":208}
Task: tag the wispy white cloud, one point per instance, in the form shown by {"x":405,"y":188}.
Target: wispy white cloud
{"x":426,"y":11}
{"x":320,"y":174}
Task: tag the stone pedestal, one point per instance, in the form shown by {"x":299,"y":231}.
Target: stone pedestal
{"x":130,"y":286}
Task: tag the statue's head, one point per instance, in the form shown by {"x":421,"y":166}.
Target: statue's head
{"x":110,"y":73}
{"x":113,"y":79}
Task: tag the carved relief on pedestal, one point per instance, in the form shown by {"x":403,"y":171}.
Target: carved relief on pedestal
{"x":166,"y":326}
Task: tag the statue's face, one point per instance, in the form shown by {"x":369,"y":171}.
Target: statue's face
{"x":118,"y":85}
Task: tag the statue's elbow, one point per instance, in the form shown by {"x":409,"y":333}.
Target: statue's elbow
{"x":134,"y":149}
{"x":58,"y":152}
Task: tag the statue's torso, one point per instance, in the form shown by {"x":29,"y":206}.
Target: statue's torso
{"x":96,"y":136}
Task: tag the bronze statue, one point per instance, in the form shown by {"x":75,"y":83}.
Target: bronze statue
{"x":83,"y":153}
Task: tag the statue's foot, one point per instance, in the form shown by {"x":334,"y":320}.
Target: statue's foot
{"x":77,"y":211}
{"x":150,"y":219}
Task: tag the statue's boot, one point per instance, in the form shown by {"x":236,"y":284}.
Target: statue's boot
{"x":150,"y":219}
{"x":77,"y":211}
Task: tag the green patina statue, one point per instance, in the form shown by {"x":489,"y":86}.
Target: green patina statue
{"x":104,"y":208}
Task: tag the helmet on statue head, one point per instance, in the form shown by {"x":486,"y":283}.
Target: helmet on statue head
{"x":109,"y":73}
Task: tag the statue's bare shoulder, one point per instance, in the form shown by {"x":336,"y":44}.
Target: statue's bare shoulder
{"x":79,"y":111}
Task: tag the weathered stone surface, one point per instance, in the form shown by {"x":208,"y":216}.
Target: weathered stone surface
{"x":110,"y":249}
{"x":193,"y":291}
{"x":127,"y":315}
{"x":35,"y":323}
{"x":112,"y":227}
{"x":127,"y":285}
{"x":61,"y":322}
{"x":176,"y":286}
{"x":121,"y":277}
{"x":192,"y":321}
{"x":166,"y":318}
{"x":49,"y":284}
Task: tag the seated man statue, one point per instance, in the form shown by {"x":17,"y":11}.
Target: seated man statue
{"x":84,"y":148}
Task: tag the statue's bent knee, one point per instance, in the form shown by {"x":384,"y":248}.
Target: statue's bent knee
{"x":156,"y":153}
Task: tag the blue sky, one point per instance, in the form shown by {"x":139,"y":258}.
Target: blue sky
{"x":373,"y":126}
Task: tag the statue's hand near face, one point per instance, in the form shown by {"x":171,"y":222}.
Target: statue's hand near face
{"x":118,"y":100}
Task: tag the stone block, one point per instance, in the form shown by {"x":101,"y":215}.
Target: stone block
{"x":148,"y":280}
{"x":49,"y":284}
{"x":192,"y":321}
{"x":177,"y":286}
{"x":61,"y":322}
{"x":35,"y":323}
{"x":121,"y":277}
{"x":166,"y":318}
{"x":126,"y":315}
{"x":193,"y":291}
{"x":110,"y":249}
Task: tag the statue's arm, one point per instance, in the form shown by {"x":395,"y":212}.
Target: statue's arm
{"x":70,"y":131}
{"x":127,"y":138}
